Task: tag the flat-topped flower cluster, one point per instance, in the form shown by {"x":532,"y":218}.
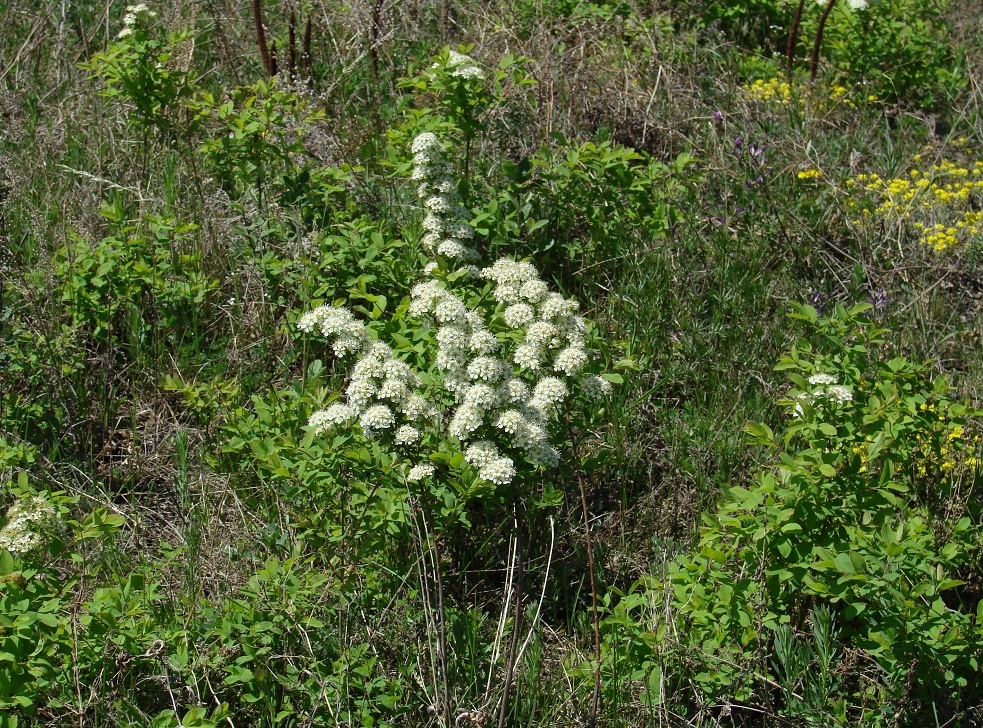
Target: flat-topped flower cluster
{"x":505,"y":364}
{"x":27,"y":520}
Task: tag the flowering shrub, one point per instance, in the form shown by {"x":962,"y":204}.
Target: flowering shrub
{"x":502,"y":358}
{"x":938,"y":203}
{"x":866,"y":510}
{"x":140,"y":68}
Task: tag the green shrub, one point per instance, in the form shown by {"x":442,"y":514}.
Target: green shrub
{"x":868,"y":509}
{"x":142,"y":67}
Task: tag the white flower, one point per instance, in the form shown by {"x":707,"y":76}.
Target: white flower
{"x":394,"y":390}
{"x":26,"y":519}
{"x":463,"y":66}
{"x":486,"y":368}
{"x":453,"y":339}
{"x":550,"y":389}
{"x":416,"y":407}
{"x":468,"y":72}
{"x":451,"y":362}
{"x":556,"y":306}
{"x":419,"y":472}
{"x":336,"y":414}
{"x":439,"y":203}
{"x":483,"y":342}
{"x":858,"y":4}
{"x":534,"y":291}
{"x":508,"y":272}
{"x":500,"y":471}
{"x":451,"y":248}
{"x":527,"y":356}
{"x":377,"y":417}
{"x":595,"y":387}
{"x":466,"y":420}
{"x":425,"y":142}
{"x":481,"y":453}
{"x":543,"y":335}
{"x":544,"y":455}
{"x":519,"y":314}
{"x":450,"y":310}
{"x":515,"y":390}
{"x":822,"y":379}
{"x":839,"y":393}
{"x":337,"y":323}
{"x":481,"y":395}
{"x":360,"y":392}
{"x":539,"y":409}
{"x":507,"y":294}
{"x":433,"y":223}
{"x":571,"y":360}
{"x":406,"y":435}
{"x":423,"y":298}
{"x":511,"y":421}
{"x":460,"y":229}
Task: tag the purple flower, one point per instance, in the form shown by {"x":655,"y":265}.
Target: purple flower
{"x":718,"y":116}
{"x":738,"y":145}
{"x":817,"y":300}
{"x":878,"y":297}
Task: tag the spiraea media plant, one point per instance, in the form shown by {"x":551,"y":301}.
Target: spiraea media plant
{"x":502,"y":358}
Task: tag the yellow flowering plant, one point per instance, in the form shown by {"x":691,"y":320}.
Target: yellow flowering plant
{"x":937,"y":203}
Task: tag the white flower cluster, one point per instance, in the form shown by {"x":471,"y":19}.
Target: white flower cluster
{"x":486,"y":393}
{"x":447,"y":232}
{"x":25,"y":520}
{"x":381,"y":390}
{"x":482,"y":381}
{"x":133,"y":14}
{"x":552,"y":327}
{"x":337,"y":323}
{"x":506,"y":389}
{"x":825,"y":387}
{"x":462,"y":66}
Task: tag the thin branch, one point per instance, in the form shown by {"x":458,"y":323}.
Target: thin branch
{"x":264,"y":50}
{"x":814,"y":63}
{"x":793,"y":39}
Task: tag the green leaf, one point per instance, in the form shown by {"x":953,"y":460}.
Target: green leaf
{"x":844,"y":563}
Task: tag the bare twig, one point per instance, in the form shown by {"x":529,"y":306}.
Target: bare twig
{"x":793,"y":39}
{"x":593,"y":599}
{"x":264,"y":50}
{"x":814,"y":62}
{"x":516,"y":621}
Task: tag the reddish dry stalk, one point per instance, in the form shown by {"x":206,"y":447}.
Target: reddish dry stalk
{"x":516,"y":622}
{"x":793,"y":39}
{"x":292,"y":56}
{"x":375,"y":32}
{"x":306,"y":56}
{"x":814,"y":63}
{"x":264,"y":50}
